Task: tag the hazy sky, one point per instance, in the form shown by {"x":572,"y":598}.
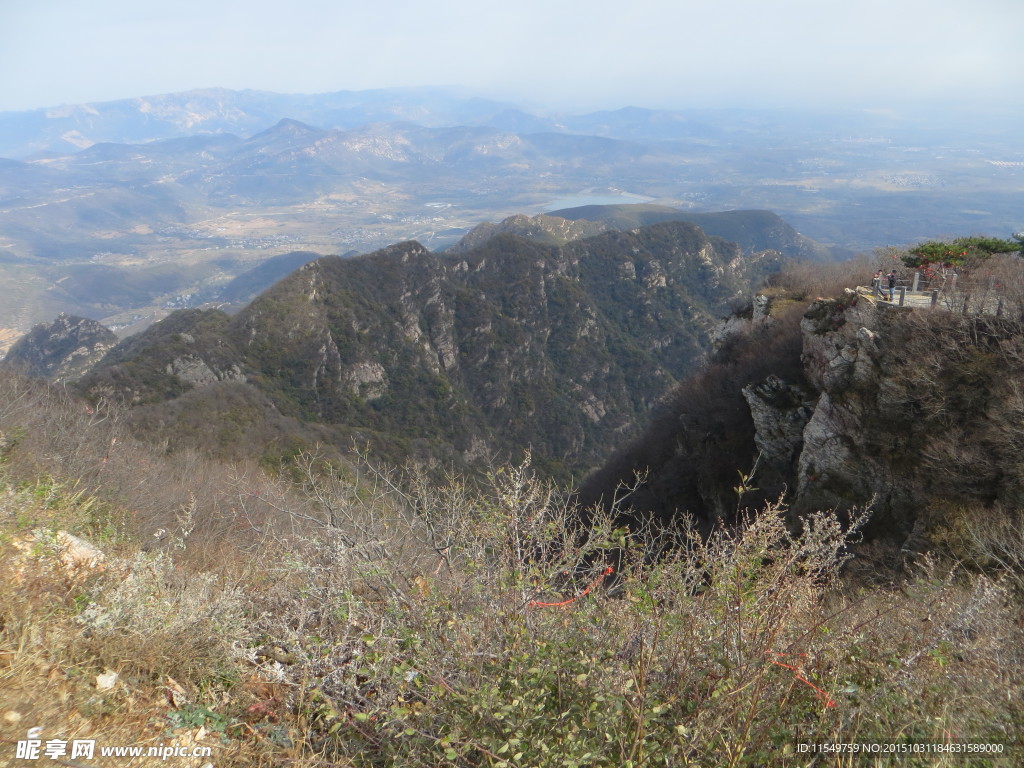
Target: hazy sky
{"x":569,"y":53}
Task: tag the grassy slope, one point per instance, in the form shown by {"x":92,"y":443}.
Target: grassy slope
{"x":374,"y":619}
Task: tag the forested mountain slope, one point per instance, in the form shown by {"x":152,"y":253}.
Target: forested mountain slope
{"x":510,"y":346}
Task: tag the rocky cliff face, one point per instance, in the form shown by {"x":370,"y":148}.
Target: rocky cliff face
{"x":915,"y":413}
{"x":508,"y":346}
{"x":62,"y":350}
{"x":918,"y":411}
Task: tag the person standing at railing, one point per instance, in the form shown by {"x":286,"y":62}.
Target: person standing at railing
{"x":892,"y":284}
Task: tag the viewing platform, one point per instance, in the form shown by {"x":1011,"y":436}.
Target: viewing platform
{"x":965,"y":297}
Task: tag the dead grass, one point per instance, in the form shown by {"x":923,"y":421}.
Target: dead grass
{"x":342,"y":615}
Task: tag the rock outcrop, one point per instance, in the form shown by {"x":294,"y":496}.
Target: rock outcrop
{"x":917,"y":414}
{"x":781,"y":413}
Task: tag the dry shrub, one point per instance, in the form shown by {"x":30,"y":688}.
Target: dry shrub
{"x":382,"y":536}
{"x":490,"y":641}
{"x":366,"y":616}
{"x":727,"y":650}
{"x":182,"y":501}
{"x":1004,"y":275}
{"x":804,"y":281}
{"x":400,"y":622}
{"x":137,"y":620}
{"x":988,"y":539}
{"x":936,"y":661}
{"x":148,"y":618}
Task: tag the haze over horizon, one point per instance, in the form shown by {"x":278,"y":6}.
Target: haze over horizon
{"x":565,"y":54}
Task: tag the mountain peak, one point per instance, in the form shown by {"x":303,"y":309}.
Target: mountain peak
{"x":64,"y":349}
{"x":293,"y":126}
{"x":288,"y":127}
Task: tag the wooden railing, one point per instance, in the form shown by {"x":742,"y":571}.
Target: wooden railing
{"x":951,"y":292}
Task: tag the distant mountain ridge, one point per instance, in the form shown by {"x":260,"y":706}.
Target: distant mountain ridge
{"x":223,"y":111}
{"x":543,"y":228}
{"x":116,"y":224}
{"x":207,"y":111}
{"x":508,"y":346}
{"x":122,"y":211}
{"x":753,"y":231}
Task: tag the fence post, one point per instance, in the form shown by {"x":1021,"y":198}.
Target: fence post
{"x":917,"y":280}
{"x":952,"y":284}
{"x":903,"y":294}
{"x":935,"y":297}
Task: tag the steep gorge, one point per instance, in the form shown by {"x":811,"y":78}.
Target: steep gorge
{"x":511,"y":346}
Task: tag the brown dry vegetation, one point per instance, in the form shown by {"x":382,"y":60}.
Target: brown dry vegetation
{"x":352,"y":615}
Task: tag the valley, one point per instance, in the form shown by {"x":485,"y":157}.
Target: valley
{"x":152,"y":209}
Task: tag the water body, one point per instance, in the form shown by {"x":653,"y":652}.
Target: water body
{"x":577,"y":201}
